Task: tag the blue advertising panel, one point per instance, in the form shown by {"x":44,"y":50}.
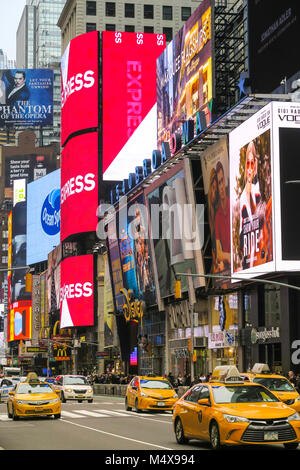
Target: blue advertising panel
{"x":43,"y":217}
{"x":26,"y":97}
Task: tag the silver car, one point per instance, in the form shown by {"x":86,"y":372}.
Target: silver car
{"x":74,"y":387}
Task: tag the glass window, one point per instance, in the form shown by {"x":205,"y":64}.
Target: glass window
{"x":91,"y":27}
{"x":167,"y":13}
{"x":185,"y":13}
{"x":148,"y":29}
{"x":282,"y":385}
{"x":75,"y":380}
{"x":91,"y":8}
{"x":242,"y":394}
{"x":156,"y":384}
{"x":25,"y":388}
{"x":193,"y":395}
{"x":110,"y":27}
{"x":272,"y":306}
{"x":169,"y":34}
{"x":110,"y":9}
{"x":148,"y":12}
{"x":129,"y":28}
{"x":129,"y":10}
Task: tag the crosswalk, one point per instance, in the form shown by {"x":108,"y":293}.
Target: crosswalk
{"x":94,"y":413}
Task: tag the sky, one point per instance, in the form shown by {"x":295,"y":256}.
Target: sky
{"x":11,"y":12}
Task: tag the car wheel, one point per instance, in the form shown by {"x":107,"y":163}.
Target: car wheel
{"x":79,"y":401}
{"x":63,"y":400}
{"x":291,"y":445}
{"x":179,"y":432}
{"x":57,"y":416}
{"x":137,"y":409}
{"x":215,"y":437}
{"x":15,"y":417}
{"x":8,"y":413}
{"x":127,"y":408}
{"x":90,"y":401}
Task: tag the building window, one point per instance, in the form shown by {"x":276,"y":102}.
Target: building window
{"x":110,"y":9}
{"x":148,"y":29}
{"x":129,"y":10}
{"x":90,"y":27}
{"x":129,"y":28}
{"x":91,"y":8}
{"x":167,"y":13}
{"x":185,"y":13}
{"x":169,"y":34}
{"x":110,"y":27}
{"x":272,"y":306}
{"x":148,"y":12}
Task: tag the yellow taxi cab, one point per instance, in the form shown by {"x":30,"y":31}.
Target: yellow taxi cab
{"x":150,"y":393}
{"x":228,"y":411}
{"x":276,"y":383}
{"x":33,"y":398}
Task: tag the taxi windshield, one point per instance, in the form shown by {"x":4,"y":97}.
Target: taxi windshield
{"x":242,"y":394}
{"x":276,"y":384}
{"x":24,"y":388}
{"x":158,"y":384}
{"x":76,"y":381}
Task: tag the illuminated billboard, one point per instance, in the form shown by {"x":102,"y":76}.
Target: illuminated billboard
{"x":77,"y":291}
{"x":129,"y":100}
{"x":215,"y":171}
{"x":19,"y":321}
{"x":184,"y":74}
{"x":79,"y":185}
{"x":43,"y":217}
{"x":26,"y":97}
{"x":79,"y":85}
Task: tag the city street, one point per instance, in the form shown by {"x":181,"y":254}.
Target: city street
{"x":102,"y":425}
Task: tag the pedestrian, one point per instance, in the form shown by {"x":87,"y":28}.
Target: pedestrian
{"x":292,"y":378}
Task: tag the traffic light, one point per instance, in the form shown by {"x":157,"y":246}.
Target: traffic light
{"x":177,"y":289}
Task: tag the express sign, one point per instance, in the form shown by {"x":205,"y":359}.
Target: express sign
{"x":77,"y":292}
{"x":79,"y":87}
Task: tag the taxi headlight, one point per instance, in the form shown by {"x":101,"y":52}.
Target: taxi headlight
{"x":21,"y":402}
{"x":235,"y":419}
{"x":69,"y":390}
{"x":294,"y":417}
{"x":54,"y":400}
{"x":175,"y":396}
{"x":144,"y":395}
{"x":298,"y":399}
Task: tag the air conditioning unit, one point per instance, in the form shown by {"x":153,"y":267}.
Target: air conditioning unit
{"x":201,"y":342}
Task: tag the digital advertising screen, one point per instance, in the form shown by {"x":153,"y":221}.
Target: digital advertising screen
{"x":251,"y":195}
{"x":53,"y":279}
{"x":273,"y":30}
{"x":19,"y":321}
{"x":43,"y":217}
{"x":184,"y":74}
{"x":174,"y":231}
{"x":79,"y":85}
{"x":215,"y":171}
{"x":26,"y":97}
{"x":77,"y":291}
{"x":129,"y":100}
{"x":79,"y":185}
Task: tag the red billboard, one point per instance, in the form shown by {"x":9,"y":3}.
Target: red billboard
{"x":77,"y":291}
{"x":79,"y":185}
{"x":79,"y":85}
{"x":19,"y":321}
{"x":129,"y":100}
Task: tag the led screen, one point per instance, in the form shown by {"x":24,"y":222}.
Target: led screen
{"x":19,"y":321}
{"x":43,"y":217}
{"x":26,"y":97}
{"x":184,"y":74}
{"x":79,"y":93}
{"x":77,"y":291}
{"x":129,"y":100}
{"x":79,"y":185}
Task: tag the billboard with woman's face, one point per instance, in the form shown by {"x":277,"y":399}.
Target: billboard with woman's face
{"x":251,"y":195}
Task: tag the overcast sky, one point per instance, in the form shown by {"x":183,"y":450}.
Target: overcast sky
{"x":10,"y":15}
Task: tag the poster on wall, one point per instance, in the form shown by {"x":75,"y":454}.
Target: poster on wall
{"x":251,"y":174}
{"x":53,"y":279}
{"x":184,"y":74}
{"x":109,"y":318}
{"x":19,"y":321}
{"x":215,"y":171}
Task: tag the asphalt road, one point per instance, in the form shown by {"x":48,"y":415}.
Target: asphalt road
{"x":101,"y":425}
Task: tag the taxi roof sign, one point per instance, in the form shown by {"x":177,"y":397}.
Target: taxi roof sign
{"x":226,"y":374}
{"x":260,"y":368}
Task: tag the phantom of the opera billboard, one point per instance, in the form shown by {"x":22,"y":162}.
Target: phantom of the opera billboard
{"x":215,"y":171}
{"x":26,"y":97}
{"x":79,"y":185}
{"x":79,"y":85}
{"x":129,"y":100}
{"x":174,"y":230}
{"x":184,"y":74}
{"x":77,"y":291}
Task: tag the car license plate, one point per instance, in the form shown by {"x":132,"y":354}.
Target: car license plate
{"x":80,"y":396}
{"x":271,"y":436}
{"x":160,"y":403}
{"x":38,"y":408}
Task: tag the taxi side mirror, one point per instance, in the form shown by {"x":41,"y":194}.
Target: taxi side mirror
{"x":204,"y":401}
{"x":11,"y":393}
{"x":134,"y":387}
{"x":58,"y":392}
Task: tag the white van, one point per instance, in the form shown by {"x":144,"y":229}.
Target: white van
{"x":74,"y":387}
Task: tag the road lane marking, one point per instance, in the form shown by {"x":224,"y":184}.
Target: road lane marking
{"x":68,"y":414}
{"x":117,"y":436}
{"x":113,"y":413}
{"x":90,"y":413}
{"x":4,"y":418}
